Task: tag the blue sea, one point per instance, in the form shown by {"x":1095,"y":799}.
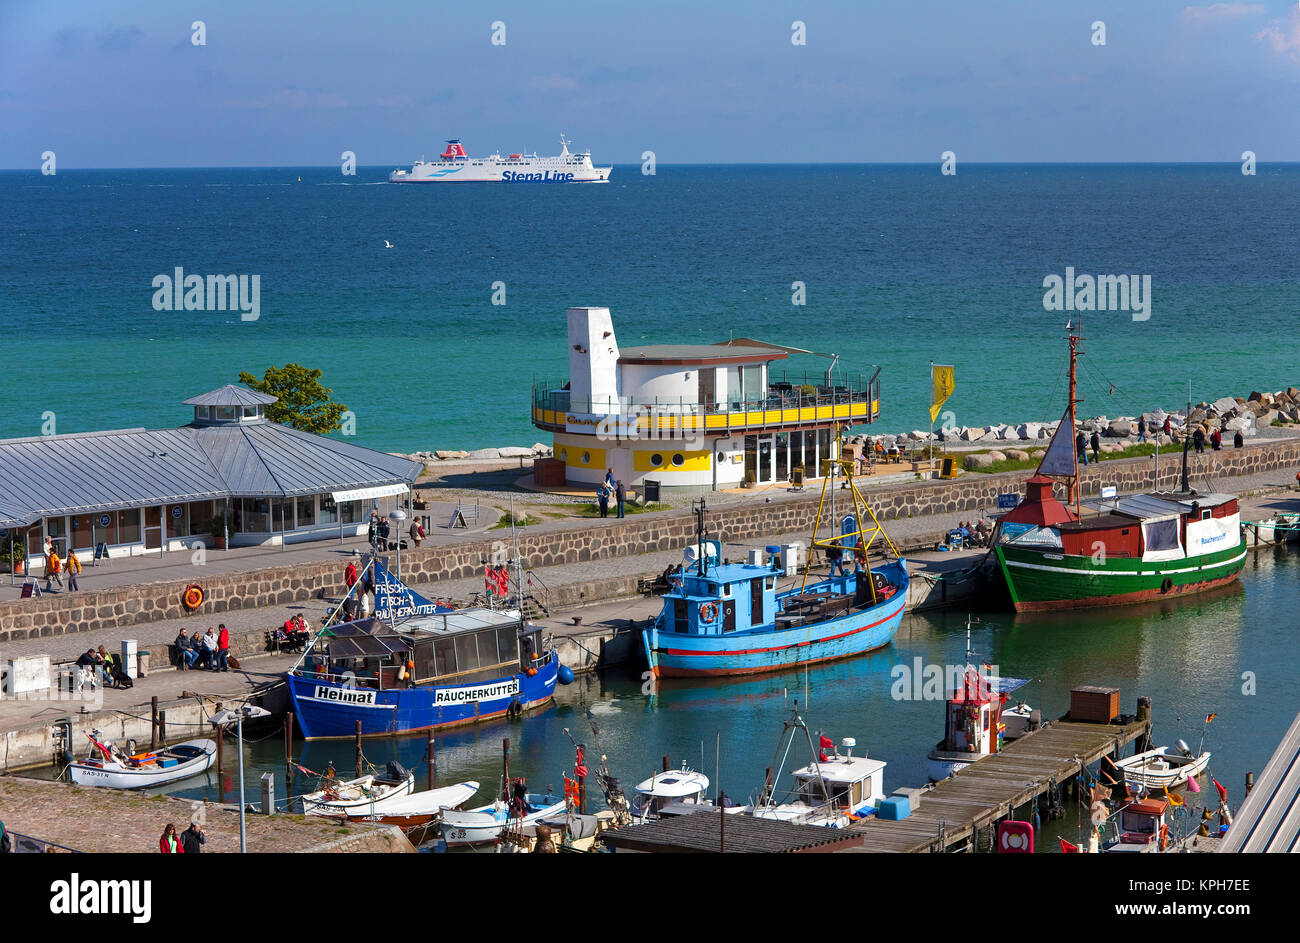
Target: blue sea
{"x":902,"y":266}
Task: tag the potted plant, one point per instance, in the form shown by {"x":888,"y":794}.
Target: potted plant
{"x":220,"y":522}
{"x":749,"y":479}
{"x":17,"y":563}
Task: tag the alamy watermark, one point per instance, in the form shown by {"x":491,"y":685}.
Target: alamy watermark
{"x":1099,"y":293}
{"x":928,"y":682}
{"x":181,"y":292}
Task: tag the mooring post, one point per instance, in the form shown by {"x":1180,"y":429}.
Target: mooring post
{"x":288,"y":753}
{"x":433,"y":765}
{"x":162,"y":727}
{"x":1250,"y":782}
{"x":668,"y":763}
{"x":1144,"y":717}
{"x":153,"y":716}
{"x":505,"y":767}
{"x":221,"y":760}
{"x":722,"y":822}
{"x":358,"y":749}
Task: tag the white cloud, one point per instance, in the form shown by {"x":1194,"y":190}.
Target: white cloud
{"x":1222,"y":11}
{"x":1283,"y":37}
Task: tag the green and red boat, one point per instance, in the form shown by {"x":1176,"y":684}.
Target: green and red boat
{"x":1122,"y":549}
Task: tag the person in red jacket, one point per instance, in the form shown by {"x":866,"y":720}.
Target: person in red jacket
{"x":223,"y":647}
{"x":350,"y":575}
{"x":170,"y":844}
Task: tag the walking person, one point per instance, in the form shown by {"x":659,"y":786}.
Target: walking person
{"x":1216,"y":440}
{"x":73,"y":566}
{"x":1198,"y":440}
{"x":1096,"y":447}
{"x":1237,"y":440}
{"x":169,"y":844}
{"x":193,"y":839}
{"x":350,"y":575}
{"x":1142,"y":428}
{"x":609,"y":479}
{"x":53,"y":568}
{"x":1168,"y":428}
{"x":223,"y":648}
{"x":1081,"y":447}
{"x":602,"y":498}
{"x":620,"y":494}
{"x":416,"y":533}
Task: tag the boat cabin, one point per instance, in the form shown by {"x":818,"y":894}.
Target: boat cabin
{"x":463,"y":646}
{"x":1141,"y":824}
{"x":845,"y":782}
{"x":672,"y":792}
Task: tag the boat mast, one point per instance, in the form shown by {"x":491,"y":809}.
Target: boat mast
{"x":1187,"y":437}
{"x":699,"y":536}
{"x":1075,"y":337}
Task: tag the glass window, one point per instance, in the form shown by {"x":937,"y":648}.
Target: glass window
{"x":466,"y":653}
{"x":128,"y":526}
{"x":256,"y":518}
{"x":656,"y":459}
{"x":201,"y":515}
{"x":351,"y":512}
{"x":306,"y":511}
{"x":752,"y":378}
{"x":56,"y":526}
{"x":226,"y":413}
{"x":81,"y":532}
{"x":34,"y":541}
{"x":281,"y":515}
{"x":679,"y":459}
{"x":104,"y":533}
{"x":201,"y":412}
{"x":445,"y":656}
{"x":329,"y":512}
{"x":177,"y":519}
{"x":250,"y":412}
{"x":824,"y":447}
{"x":487,"y":647}
{"x":507,"y":643}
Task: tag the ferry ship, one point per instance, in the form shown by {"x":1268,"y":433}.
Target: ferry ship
{"x":454,"y":165}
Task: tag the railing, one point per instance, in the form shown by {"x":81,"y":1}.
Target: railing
{"x":853,"y":399}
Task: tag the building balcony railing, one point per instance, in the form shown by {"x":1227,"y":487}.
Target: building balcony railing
{"x":853,"y":401}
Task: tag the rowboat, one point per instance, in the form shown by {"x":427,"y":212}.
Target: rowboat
{"x":482,"y":825}
{"x":109,"y":766}
{"x":1166,"y":767}
{"x":419,"y":814}
{"x":367,"y":795}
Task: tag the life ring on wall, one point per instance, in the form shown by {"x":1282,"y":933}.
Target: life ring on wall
{"x":192,"y":598}
{"x":708,"y":612}
{"x":1166,"y":585}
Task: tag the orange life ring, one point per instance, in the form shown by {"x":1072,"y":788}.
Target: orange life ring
{"x":708,"y":612}
{"x":192,"y":598}
{"x":1164,"y":837}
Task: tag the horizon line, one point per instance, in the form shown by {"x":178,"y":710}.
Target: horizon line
{"x":882,"y":163}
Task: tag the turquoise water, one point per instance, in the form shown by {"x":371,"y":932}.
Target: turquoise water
{"x":1189,"y":657}
{"x":902,"y":266}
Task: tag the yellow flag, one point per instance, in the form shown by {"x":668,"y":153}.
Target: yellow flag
{"x":943,"y":380}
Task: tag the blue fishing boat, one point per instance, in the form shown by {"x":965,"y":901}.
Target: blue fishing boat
{"x":722,"y":618}
{"x":440,"y":667}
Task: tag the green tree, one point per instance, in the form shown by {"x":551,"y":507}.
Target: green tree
{"x":303,"y":402}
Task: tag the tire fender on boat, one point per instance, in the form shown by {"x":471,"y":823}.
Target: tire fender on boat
{"x":1166,"y":585}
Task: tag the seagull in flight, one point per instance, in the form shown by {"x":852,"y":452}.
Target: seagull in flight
{"x":389,"y":245}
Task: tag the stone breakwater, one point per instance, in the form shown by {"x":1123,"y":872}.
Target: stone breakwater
{"x":586,"y":541}
{"x":538,"y":450}
{"x":1228,"y":414}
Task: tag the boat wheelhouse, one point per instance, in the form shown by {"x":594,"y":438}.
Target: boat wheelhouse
{"x":974,"y":726}
{"x":671,"y":792}
{"x":437,"y":670}
{"x":1141,"y":827}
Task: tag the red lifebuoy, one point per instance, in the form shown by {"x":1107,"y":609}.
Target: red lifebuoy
{"x":192,"y":598}
{"x":708,"y":612}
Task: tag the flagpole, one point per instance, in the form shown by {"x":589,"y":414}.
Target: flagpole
{"x":929,"y":443}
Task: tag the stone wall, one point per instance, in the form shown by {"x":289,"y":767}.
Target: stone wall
{"x":149,"y":602}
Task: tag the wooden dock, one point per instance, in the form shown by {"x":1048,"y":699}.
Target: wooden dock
{"x":952,"y":813}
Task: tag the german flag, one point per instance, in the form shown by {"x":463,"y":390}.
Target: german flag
{"x":1210,"y":717}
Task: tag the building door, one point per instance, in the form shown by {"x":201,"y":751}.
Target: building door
{"x":765,"y":450}
{"x":153,"y":528}
{"x":706,"y":387}
{"x":783,"y":456}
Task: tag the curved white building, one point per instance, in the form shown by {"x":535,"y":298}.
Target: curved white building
{"x":691,"y":415}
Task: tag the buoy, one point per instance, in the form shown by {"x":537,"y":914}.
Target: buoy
{"x":565,"y":674}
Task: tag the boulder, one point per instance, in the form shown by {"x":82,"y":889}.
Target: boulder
{"x":997,"y":456}
{"x":444,"y":454}
{"x":916,"y":435}
{"x":514,"y":451}
{"x":1223,"y":405}
{"x":972,"y":433}
{"x":1018,"y":455}
{"x":1254,"y":397}
{"x":484,"y":453}
{"x":1266,"y":420}
{"x":990,"y":436}
{"x":1029,"y":430}
{"x":540,"y":448}
{"x":1119,"y":428}
{"x":1037,"y":453}
{"x":1243,"y":424}
{"x":971,"y":462}
{"x":1198,"y":415}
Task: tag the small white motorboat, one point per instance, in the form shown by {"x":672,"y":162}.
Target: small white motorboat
{"x":684,"y":789}
{"x":368,"y":795}
{"x":482,"y":825}
{"x":419,"y":813}
{"x":1165,"y":767}
{"x":108,"y":766}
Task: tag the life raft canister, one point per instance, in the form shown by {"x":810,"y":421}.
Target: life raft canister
{"x":192,"y":598}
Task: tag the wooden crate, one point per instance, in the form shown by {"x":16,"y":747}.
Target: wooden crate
{"x":550,"y":472}
{"x":1092,"y":703}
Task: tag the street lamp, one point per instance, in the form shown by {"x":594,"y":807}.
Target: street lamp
{"x":220,"y":720}
{"x":397,"y":516}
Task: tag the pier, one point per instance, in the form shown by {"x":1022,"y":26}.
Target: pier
{"x":950,"y":815}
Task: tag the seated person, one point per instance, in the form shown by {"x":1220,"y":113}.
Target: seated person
{"x":185,"y":656}
{"x":202,"y":654}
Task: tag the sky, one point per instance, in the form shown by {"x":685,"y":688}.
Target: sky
{"x":297,"y":83}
